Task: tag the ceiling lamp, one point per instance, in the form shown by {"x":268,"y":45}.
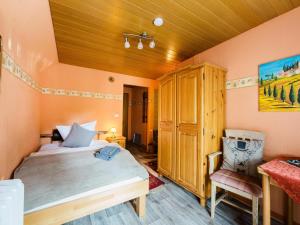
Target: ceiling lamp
{"x":140,"y":44}
{"x":158,"y":21}
{"x":126,"y":44}
{"x":140,"y":37}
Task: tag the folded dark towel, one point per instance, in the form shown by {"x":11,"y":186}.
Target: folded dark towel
{"x":107,"y":153}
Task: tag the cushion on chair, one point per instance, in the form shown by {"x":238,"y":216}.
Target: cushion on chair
{"x":239,"y":181}
{"x":242,"y":156}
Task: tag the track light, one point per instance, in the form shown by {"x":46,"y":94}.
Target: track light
{"x":126,"y":44}
{"x":140,"y":44}
{"x":151,"y":44}
{"x":143,"y":37}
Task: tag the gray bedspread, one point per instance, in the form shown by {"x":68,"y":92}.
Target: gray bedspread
{"x":51,"y":178}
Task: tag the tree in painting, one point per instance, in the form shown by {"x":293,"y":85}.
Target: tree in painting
{"x":269,"y":91}
{"x":275,"y":92}
{"x":279,"y":85}
{"x":292,"y":95}
{"x":282,"y":94}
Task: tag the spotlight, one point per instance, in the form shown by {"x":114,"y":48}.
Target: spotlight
{"x":140,"y":44}
{"x":151,"y":44}
{"x":126,"y":44}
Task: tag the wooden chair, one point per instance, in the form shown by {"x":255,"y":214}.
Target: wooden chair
{"x":229,"y":181}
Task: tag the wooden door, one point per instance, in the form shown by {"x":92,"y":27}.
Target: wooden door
{"x":188,"y":128}
{"x":166,"y":136}
{"x":125,"y":115}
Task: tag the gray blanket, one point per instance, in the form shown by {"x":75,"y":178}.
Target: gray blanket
{"x":51,"y":178}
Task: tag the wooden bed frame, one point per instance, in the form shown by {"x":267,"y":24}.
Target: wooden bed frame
{"x":75,"y":209}
{"x":66,"y":212}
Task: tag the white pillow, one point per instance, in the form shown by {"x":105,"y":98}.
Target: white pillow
{"x":64,"y":130}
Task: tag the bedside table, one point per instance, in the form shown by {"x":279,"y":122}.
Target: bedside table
{"x":118,"y":139}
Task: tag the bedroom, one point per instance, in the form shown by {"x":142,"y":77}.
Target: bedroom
{"x":68,"y":61}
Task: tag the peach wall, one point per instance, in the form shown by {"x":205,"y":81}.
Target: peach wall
{"x":19,"y":104}
{"x":275,"y":39}
{"x":65,"y":110}
{"x":137,"y":125}
{"x":128,"y":90}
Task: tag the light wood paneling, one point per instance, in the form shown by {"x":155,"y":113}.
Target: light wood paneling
{"x":199,"y":100}
{"x":214,"y":117}
{"x":89,"y":33}
{"x":166,"y":114}
{"x":188,"y":128}
{"x":75,"y":209}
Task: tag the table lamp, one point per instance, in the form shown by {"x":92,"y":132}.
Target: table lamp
{"x":113,"y":131}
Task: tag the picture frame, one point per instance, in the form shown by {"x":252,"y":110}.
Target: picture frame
{"x":279,"y":85}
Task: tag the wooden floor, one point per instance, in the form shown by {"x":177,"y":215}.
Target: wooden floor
{"x":167,"y":205}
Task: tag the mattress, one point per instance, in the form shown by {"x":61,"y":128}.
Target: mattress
{"x":57,"y":175}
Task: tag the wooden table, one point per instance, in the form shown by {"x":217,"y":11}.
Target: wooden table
{"x":267,"y":181}
{"x":117,"y":139}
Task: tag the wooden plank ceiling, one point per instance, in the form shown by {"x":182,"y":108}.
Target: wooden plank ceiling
{"x":88,"y":33}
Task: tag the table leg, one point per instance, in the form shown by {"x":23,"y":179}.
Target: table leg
{"x":266,"y":200}
{"x":290,"y":219}
{"x":141,"y":205}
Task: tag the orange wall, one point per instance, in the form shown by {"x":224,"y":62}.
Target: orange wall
{"x":128,"y":90}
{"x":241,"y":55}
{"x":19,"y":103}
{"x":65,"y":110}
{"x":137,"y":125}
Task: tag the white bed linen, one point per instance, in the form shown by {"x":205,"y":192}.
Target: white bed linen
{"x":55,"y":148}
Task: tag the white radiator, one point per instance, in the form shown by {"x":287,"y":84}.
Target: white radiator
{"x":11,"y":202}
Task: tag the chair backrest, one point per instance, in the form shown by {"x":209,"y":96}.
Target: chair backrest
{"x":245,"y":134}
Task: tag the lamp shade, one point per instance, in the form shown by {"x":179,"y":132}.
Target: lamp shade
{"x":113,"y":130}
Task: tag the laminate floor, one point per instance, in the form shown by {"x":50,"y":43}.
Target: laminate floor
{"x":168,"y":205}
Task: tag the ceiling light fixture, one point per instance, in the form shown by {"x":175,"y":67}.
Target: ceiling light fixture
{"x":158,"y":21}
{"x":126,"y":44}
{"x":141,"y":37}
{"x":140,"y":44}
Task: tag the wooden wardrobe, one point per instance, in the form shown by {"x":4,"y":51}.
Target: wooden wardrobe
{"x":191,"y":124}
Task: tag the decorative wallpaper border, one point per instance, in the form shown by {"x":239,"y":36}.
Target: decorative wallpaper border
{"x":241,"y":83}
{"x":84,"y":94}
{"x":13,"y":68}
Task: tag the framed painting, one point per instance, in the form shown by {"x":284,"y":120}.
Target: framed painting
{"x":279,"y":85}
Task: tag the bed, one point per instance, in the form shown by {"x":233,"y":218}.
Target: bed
{"x":63,"y":184}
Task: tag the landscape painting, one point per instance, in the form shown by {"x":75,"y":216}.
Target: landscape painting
{"x":279,"y":85}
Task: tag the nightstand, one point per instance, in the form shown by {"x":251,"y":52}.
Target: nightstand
{"x":118,"y":139}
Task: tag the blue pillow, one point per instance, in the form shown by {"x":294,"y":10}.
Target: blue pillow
{"x":78,"y":137}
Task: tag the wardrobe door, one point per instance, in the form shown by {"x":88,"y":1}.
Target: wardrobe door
{"x":214,"y":117}
{"x":188,"y":128}
{"x":166,"y":142}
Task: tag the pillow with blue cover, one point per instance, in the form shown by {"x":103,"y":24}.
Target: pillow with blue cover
{"x":78,"y":137}
{"x":242,"y":156}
